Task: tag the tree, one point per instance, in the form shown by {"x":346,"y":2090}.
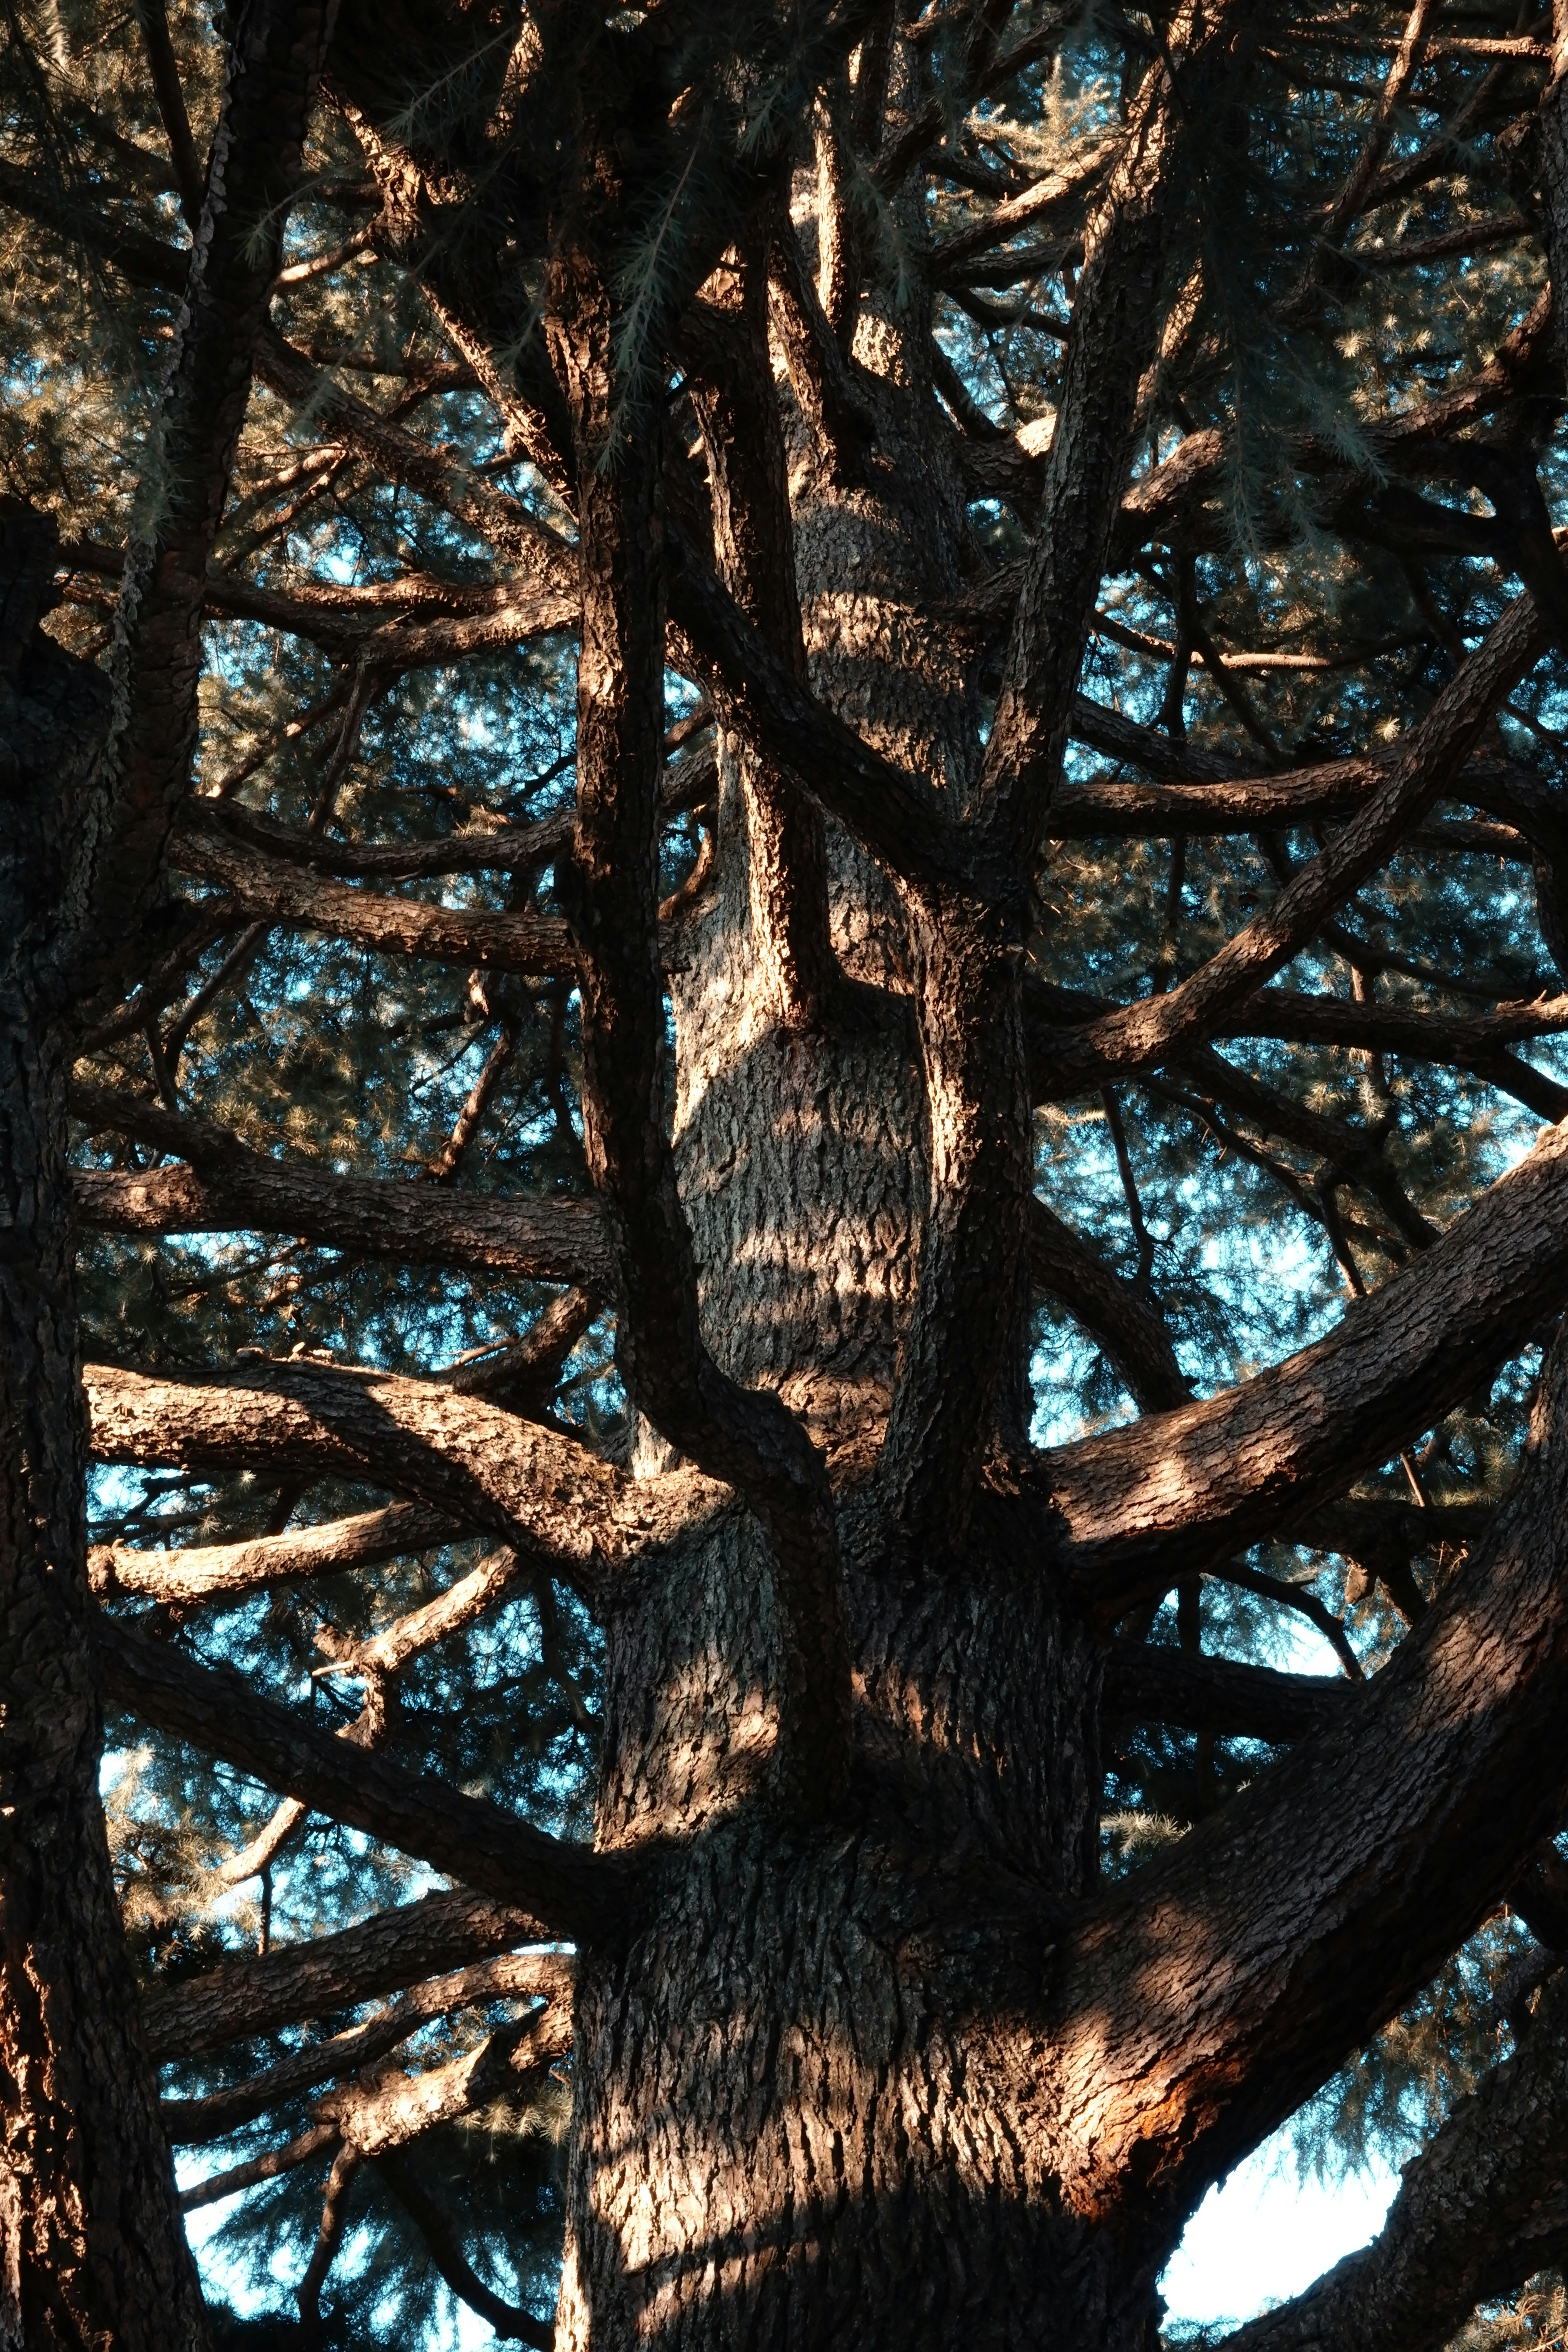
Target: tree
{"x":775,"y":780}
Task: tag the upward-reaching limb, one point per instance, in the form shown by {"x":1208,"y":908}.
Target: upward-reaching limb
{"x":1294,"y":1923}
{"x":748,"y":1438}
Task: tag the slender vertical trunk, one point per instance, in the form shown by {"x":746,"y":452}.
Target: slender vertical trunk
{"x":92,"y":2249}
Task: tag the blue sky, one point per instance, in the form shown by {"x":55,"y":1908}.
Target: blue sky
{"x":1263,"y":2235}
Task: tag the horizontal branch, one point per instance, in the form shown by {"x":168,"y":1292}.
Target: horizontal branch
{"x":537,"y":1489}
{"x":383,"y":1954}
{"x":500,"y":849}
{"x":1171,"y":1493}
{"x":572,"y":1890}
{"x":229,"y":1571}
{"x":514,"y":1975}
{"x":228,"y":1188}
{"x":1145,"y":1680}
{"x":276,"y":891}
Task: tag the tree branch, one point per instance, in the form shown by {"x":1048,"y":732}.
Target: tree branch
{"x":1483,"y":2207}
{"x":1216,"y":1694}
{"x":145,"y":773}
{"x":1137,"y":1507}
{"x":747,"y":1438}
{"x":544,"y":1493}
{"x":1116,"y":324}
{"x":446,"y":2254}
{"x":515,"y":1976}
{"x":385,"y":1953}
{"x":278,"y":892}
{"x":1210,"y":1997}
{"x":227,"y":1571}
{"x":1138,"y":1036}
{"x":575,"y":1891}
{"x":1131,"y":1331}
{"x":228,"y":1188}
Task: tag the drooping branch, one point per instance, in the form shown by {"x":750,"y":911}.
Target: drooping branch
{"x":1290,"y":1928}
{"x":1118,"y":1315}
{"x":383,"y":1954}
{"x":574,"y":1892}
{"x":1481,"y":2210}
{"x":446,"y":2253}
{"x":1137,"y":1507}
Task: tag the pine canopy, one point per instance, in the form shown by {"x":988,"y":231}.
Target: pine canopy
{"x":784,"y":917}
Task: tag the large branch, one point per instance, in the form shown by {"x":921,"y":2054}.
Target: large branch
{"x":230,"y":1571}
{"x":273,"y":66}
{"x":514,"y":1975}
{"x":1204,"y":2002}
{"x":1141,"y":1035}
{"x":747,"y":1438}
{"x":381,"y":1954}
{"x":536,"y":1489}
{"x":1483,"y":2208}
{"x":574,"y":1892}
{"x":272,"y":890}
{"x":1137,"y":1507}
{"x":228,"y":1188}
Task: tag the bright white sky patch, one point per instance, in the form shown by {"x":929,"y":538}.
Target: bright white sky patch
{"x":1262,"y":2235}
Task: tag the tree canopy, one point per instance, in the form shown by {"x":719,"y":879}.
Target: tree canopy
{"x":1213,"y":872}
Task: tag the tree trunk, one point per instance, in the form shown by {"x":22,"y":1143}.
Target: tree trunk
{"x":801,"y":2113}
{"x":93,"y":2250}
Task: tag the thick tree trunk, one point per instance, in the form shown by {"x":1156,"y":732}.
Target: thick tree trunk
{"x":803,"y":2113}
